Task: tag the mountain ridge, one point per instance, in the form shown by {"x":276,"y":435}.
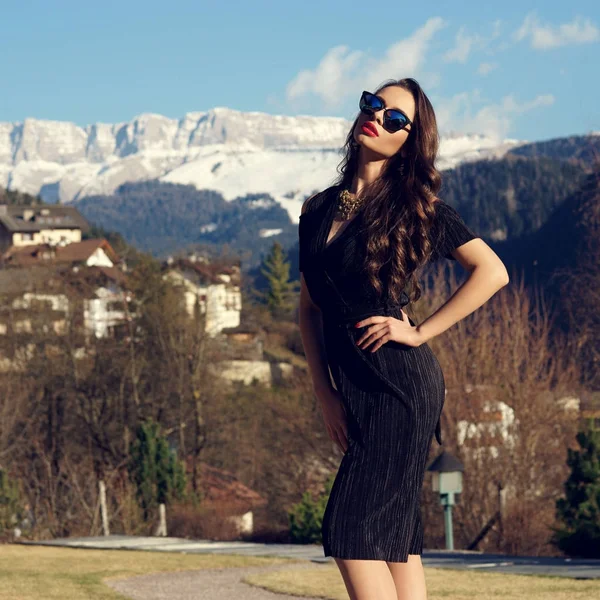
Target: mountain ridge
{"x":230,"y":151}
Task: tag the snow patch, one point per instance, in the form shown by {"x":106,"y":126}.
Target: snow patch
{"x":269,"y":232}
{"x":234,"y":153}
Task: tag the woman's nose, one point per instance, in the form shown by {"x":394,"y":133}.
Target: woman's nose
{"x":379,"y":114}
{"x":378,"y":117}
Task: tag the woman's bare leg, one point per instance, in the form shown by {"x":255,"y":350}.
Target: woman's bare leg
{"x":367,"y":579}
{"x":409,"y":578}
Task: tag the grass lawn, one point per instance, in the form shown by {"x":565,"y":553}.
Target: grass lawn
{"x":34,"y":572}
{"x":442,"y":584}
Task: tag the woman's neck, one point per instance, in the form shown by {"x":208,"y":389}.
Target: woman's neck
{"x":369,"y":169}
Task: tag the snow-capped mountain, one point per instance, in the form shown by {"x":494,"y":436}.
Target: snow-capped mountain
{"x":233,"y":152}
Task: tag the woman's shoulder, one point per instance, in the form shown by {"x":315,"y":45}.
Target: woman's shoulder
{"x":449,"y":230}
{"x":445,"y":214}
{"x":441,"y":206}
{"x":314,"y":202}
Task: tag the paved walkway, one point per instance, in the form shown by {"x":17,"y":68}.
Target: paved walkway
{"x":166,"y":544}
{"x":205,"y":584}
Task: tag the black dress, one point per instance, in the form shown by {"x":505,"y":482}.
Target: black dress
{"x":393,"y":397}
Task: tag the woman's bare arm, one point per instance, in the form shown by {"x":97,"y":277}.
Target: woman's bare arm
{"x":311,"y":331}
{"x":487,"y":275}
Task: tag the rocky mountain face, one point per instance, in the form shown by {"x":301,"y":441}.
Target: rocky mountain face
{"x":232,"y":152}
{"x":228,"y":177}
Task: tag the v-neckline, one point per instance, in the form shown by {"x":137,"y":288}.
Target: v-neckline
{"x":328,"y":223}
{"x":329,"y":218}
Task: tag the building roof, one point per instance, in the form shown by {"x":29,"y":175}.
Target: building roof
{"x":75,"y":252}
{"x":19,"y":281}
{"x":51,"y":279}
{"x":223,"y":489}
{"x":81,"y":251}
{"x":99,"y":273}
{"x":244,"y":328}
{"x":206,"y":272}
{"x":35,"y":217}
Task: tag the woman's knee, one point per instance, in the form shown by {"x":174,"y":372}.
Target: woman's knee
{"x":367,"y":579}
{"x":409,"y":578}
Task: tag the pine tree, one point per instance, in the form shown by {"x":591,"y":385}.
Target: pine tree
{"x":154,"y":468}
{"x":579,"y":510}
{"x":279,"y":296}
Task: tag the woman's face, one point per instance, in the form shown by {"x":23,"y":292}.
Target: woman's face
{"x":386,"y":144}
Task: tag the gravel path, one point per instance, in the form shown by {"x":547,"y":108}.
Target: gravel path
{"x":203,"y":584}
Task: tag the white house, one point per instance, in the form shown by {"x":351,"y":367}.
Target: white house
{"x":212,"y":289}
{"x":22,"y":225}
{"x":88,"y":267}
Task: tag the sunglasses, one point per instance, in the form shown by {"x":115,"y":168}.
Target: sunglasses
{"x":393,"y":118}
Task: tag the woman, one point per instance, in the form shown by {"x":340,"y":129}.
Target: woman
{"x":362,"y":242}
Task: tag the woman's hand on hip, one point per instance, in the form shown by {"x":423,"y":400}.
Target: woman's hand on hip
{"x":383,"y":329}
{"x":334,"y":415}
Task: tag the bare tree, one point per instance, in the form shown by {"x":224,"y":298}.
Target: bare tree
{"x":509,"y":377}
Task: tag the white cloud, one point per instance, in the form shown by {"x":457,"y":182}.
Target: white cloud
{"x":404,"y":58}
{"x":341,"y":72}
{"x":486,"y":68}
{"x":511,"y":105}
{"x":544,"y":36}
{"x":465,"y":44}
{"x":460,"y":113}
{"x":497,"y":26}
{"x":331,"y":80}
{"x":462,"y":47}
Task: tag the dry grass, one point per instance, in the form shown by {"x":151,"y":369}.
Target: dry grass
{"x":34,"y":572}
{"x":442,"y":584}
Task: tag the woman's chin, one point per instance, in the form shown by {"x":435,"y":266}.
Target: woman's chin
{"x":371,"y":148}
{"x":366,"y":140}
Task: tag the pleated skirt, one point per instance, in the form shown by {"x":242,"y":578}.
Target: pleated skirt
{"x":393,"y":399}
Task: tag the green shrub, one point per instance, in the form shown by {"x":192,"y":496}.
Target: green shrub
{"x":306,"y":517}
{"x":11,"y":511}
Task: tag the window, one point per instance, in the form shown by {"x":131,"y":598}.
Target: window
{"x":231,"y":300}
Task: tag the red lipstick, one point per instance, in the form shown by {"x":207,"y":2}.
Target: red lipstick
{"x":370,"y":129}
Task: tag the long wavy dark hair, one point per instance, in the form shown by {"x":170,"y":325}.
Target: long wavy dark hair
{"x":398,"y":209}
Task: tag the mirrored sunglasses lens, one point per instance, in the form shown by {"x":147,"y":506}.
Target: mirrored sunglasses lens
{"x":369,"y":103}
{"x":396,"y":121}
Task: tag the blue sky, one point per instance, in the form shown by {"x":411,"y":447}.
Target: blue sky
{"x":526,"y":70}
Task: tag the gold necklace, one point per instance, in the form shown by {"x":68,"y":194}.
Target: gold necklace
{"x":347,"y":204}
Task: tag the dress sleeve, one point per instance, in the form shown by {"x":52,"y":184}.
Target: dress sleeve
{"x":449,"y":231}
{"x":305,"y":232}
{"x":301,"y":244}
